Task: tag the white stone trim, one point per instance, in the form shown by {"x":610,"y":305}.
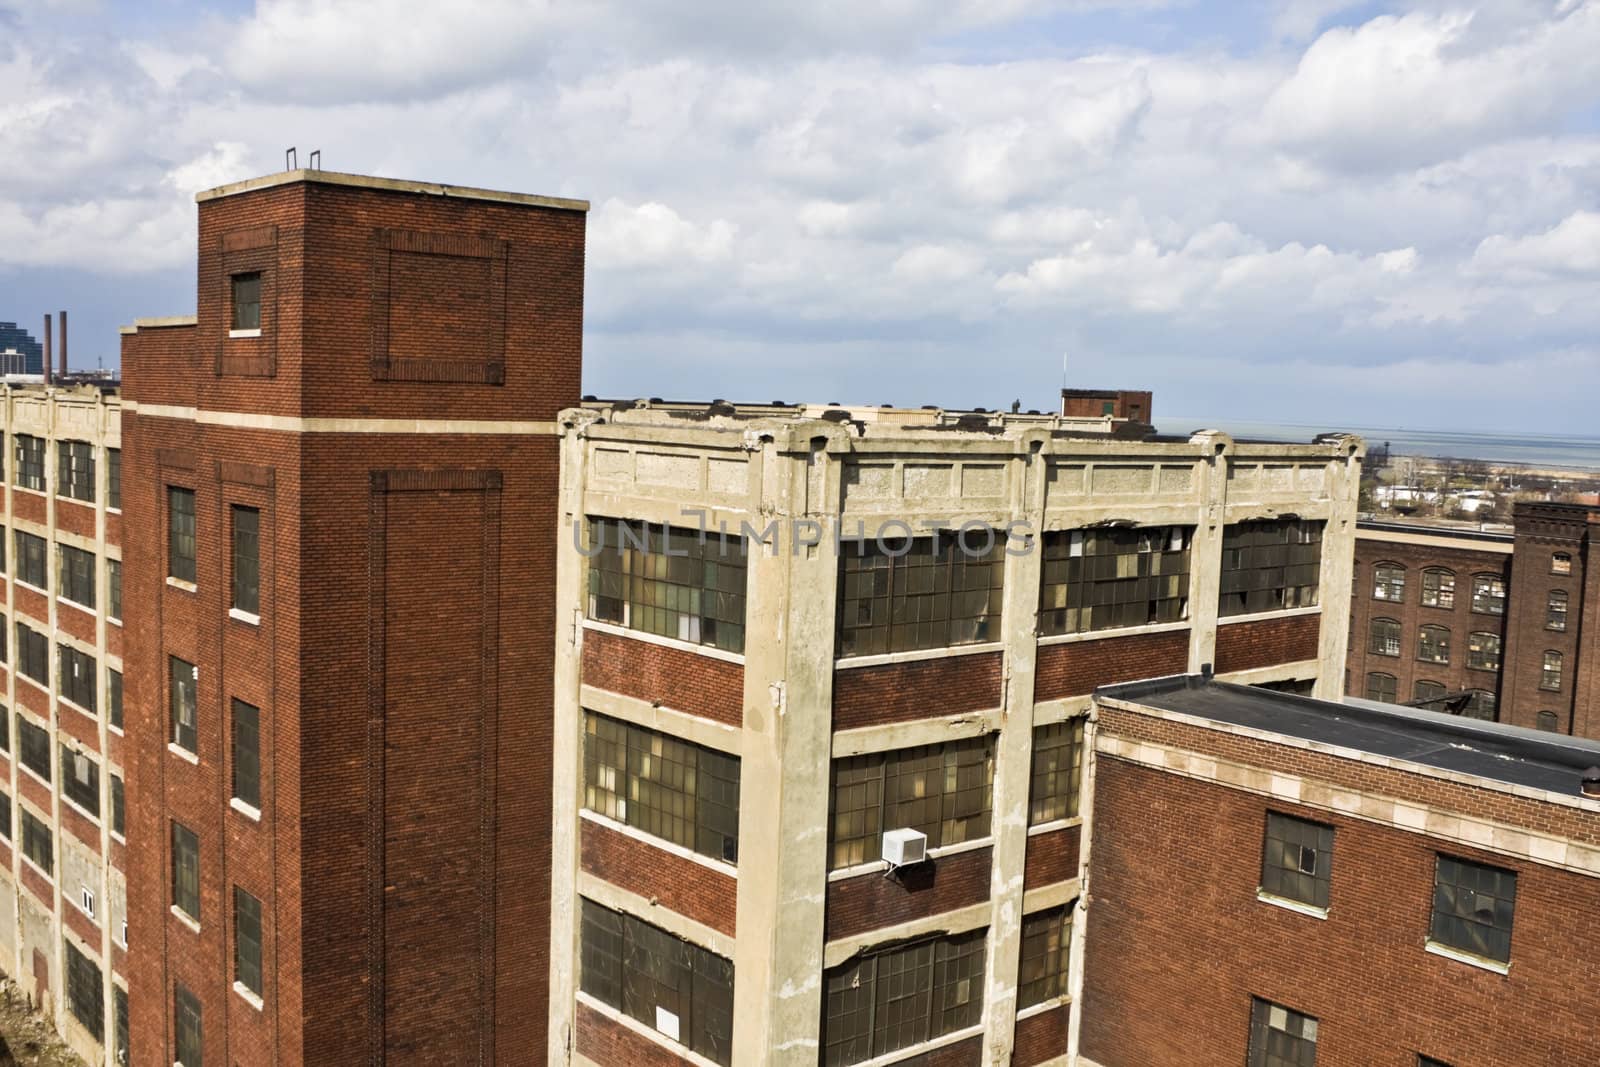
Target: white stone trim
{"x":254,"y":332}
{"x":1291,"y":905}
{"x":650,"y":910}
{"x":658,"y":842}
{"x":874,"y":866}
{"x":1054,"y":825}
{"x":249,"y":811}
{"x":1051,"y":896}
{"x":664,"y":642}
{"x":1263,"y":616}
{"x":895,"y":735}
{"x":972,"y":917}
{"x":1112,"y":635}
{"x":179,"y":583}
{"x":844,"y":663}
{"x":297,"y":424}
{"x":183,"y":753}
{"x":247,"y":996}
{"x":244,"y":616}
{"x":1040,"y":1008}
{"x":1468,"y":958}
{"x":629,"y":1022}
{"x":184,"y":917}
{"x":708,"y":733}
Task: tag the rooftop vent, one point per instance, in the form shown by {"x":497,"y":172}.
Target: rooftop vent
{"x":1591,"y":782}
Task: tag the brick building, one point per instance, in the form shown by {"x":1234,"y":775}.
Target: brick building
{"x":888,"y":631}
{"x":1277,"y":880}
{"x":63,"y":857}
{"x":1502,"y":625}
{"x":1133,"y":405}
{"x":341,"y":492}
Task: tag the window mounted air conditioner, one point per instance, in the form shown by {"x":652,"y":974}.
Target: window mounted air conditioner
{"x":904,"y":846}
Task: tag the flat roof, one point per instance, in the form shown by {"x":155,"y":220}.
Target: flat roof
{"x":1511,"y":755}
{"x":392,"y":185}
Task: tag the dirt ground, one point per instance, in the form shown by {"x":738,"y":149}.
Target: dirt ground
{"x":26,"y":1040}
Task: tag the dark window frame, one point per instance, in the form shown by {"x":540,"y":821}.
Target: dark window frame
{"x":85,"y":991}
{"x":1044,"y":955}
{"x":78,"y":677}
{"x":669,"y":581}
{"x":245,"y":732}
{"x":33,"y":748}
{"x":1270,"y":565}
{"x":244,"y":300}
{"x":1297,"y":859}
{"x":114,"y":479}
{"x":1488,"y":594}
{"x":181,"y":533}
{"x":903,"y":995}
{"x":183,"y":702}
{"x":1389,"y":582}
{"x":76,"y":568}
{"x":33,"y":560}
{"x":75,"y":470}
{"x":84,"y":794}
{"x":1484,"y":650}
{"x":247,"y":955}
{"x":1289,"y":1042}
{"x":1114,"y":577}
{"x":1055,"y":781}
{"x":1474,"y":908}
{"x":863,"y":797}
{"x":1439,"y":588}
{"x":1551,"y":668}
{"x":114,"y":698}
{"x":38,"y":843}
{"x":114,"y":590}
{"x":186,"y":870}
{"x":910,"y":594}
{"x":27,"y":471}
{"x":187,"y":1027}
{"x":1376,"y":686}
{"x":1433,"y":644}
{"x":1556,"y":608}
{"x":245,"y":571}
{"x":1385,"y":637}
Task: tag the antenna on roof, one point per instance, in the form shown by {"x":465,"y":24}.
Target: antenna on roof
{"x":291,"y":159}
{"x":314,"y":161}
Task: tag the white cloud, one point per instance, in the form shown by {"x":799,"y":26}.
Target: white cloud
{"x":652,"y":234}
{"x":1570,"y":248}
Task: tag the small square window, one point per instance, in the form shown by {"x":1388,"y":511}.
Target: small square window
{"x":1281,"y":1037}
{"x":247,"y":301}
{"x":1297,"y":859}
{"x":1473,"y":908}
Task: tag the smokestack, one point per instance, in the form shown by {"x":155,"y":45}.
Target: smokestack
{"x":63,"y":346}
{"x":47,"y":355}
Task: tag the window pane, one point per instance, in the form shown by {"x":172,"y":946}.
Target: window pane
{"x":247,"y":560}
{"x":246,"y":289}
{"x":1297,"y":859}
{"x":247,"y":940}
{"x":186,"y":1027}
{"x":923,"y":592}
{"x":1101,"y":579}
{"x":180,"y":533}
{"x":186,"y":871}
{"x":247,"y":753}
{"x":85,"y":994}
{"x":673,"y":582}
{"x":181,"y":705}
{"x":1473,"y":906}
{"x":1270,"y":565}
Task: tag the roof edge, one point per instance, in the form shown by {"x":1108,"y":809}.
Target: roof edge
{"x":391,"y":185}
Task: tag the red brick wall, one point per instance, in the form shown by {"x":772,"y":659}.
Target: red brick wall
{"x":919,"y":689}
{"x":29,"y":505}
{"x":607,"y":1042}
{"x":75,"y":621}
{"x":1078,"y":668}
{"x":1052,"y":857}
{"x":966,"y":1053}
{"x":873,"y":901}
{"x":691,"y":889}
{"x":1379,"y":997}
{"x":72,"y":516}
{"x":1243,"y":646}
{"x":674,"y":677}
{"x":1041,"y":1037}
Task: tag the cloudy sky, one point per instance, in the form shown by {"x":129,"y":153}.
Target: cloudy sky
{"x":1317,"y":211}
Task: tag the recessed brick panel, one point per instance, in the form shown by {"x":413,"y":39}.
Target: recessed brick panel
{"x":673,"y":677}
{"x":1042,"y":1037}
{"x":872,"y":901}
{"x":607,"y":1042}
{"x":1052,"y":857}
{"x":29,"y":505}
{"x":918,"y":689}
{"x":1244,"y":646}
{"x":39,"y":886}
{"x":33,"y":604}
{"x":691,"y":889}
{"x":967,"y":1052}
{"x":74,"y":620}
{"x":74,"y":517}
{"x":1078,"y":668}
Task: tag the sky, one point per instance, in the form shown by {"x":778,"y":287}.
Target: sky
{"x":1325,"y":212}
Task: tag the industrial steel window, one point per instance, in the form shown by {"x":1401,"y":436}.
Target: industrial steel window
{"x":919,"y":592}
{"x":3,"y":641}
{"x":1270,"y":565}
{"x":247,"y":753}
{"x":114,"y":589}
{"x":247,"y":940}
{"x":1488,"y":594}
{"x":75,"y":470}
{"x":181,"y":704}
{"x":80,"y":676}
{"x":672,"y":986}
{"x":246,"y":301}
{"x":1281,"y":1037}
{"x":1433,"y":644}
{"x":1473,"y":907}
{"x":1045,"y":953}
{"x":1483,"y":651}
{"x":186,"y":871}
{"x":80,"y":780}
{"x":114,"y":479}
{"x":1385,"y":637}
{"x":5,"y":730}
{"x":85,"y":994}
{"x":77,"y":576}
{"x":1381,"y":686}
{"x":1438,"y":588}
{"x":34,"y":743}
{"x":1561,"y":563}
{"x":1426,"y":692}
{"x":2,"y":549}
{"x":28,"y":462}
{"x":186,"y":1026}
{"x":119,"y":811}
{"x":119,"y":1007}
{"x":1548,"y":720}
{"x":1297,"y":859}
{"x":1388,"y":582}
{"x":38,"y":844}
{"x":668,"y":581}
{"x":1480,"y":705}
{"x":678,"y":791}
{"x":32,"y":567}
{"x":943,"y":790}
{"x":5,"y":816}
{"x":180,"y":533}
{"x":247,"y":559}
{"x":902,"y":996}
{"x":114,"y":697}
{"x":1550,"y":672}
{"x":1057,"y":771}
{"x":1101,"y":579}
{"x":1555,"y":617}
{"x":1429,"y":1061}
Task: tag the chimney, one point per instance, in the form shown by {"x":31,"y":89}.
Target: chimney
{"x":63,"y":346}
{"x":46,"y":347}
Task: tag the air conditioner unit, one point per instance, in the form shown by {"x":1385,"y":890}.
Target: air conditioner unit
{"x":904,"y":846}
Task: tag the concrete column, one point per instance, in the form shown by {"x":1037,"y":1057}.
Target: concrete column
{"x":1205,"y":549}
{"x":1078,"y":962}
{"x":1338,"y":562}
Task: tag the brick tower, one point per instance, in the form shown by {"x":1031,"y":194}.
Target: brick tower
{"x":340,"y":494}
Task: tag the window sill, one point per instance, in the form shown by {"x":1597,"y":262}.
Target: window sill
{"x":121,"y":840}
{"x":75,"y":499}
{"x":1043,"y":1006}
{"x":877,"y":866}
{"x":79,"y":708}
{"x":1053,"y":825}
{"x":77,"y":906}
{"x":75,"y":806}
{"x":36,"y":776}
{"x":37,"y":589}
{"x":248,"y":811}
{"x":1298,"y":906}
{"x":1115,"y":632}
{"x":244,"y":333}
{"x":183,"y":753}
{"x":64,"y":599}
{"x":721,"y":866}
{"x":1468,"y":958}
{"x":27,"y":489}
{"x":183,"y":917}
{"x":244,"y":616}
{"x":710,"y":651}
{"x":649,"y":1033}
{"x":38,"y":869}
{"x":1278,"y":613}
{"x":247,"y":996}
{"x":115,"y":729}
{"x":879,"y":659}
{"x":179,"y":583}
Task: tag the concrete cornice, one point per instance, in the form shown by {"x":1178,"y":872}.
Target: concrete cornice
{"x":390,"y":185}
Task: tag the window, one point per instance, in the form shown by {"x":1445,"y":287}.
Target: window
{"x":1438,"y":588}
{"x":1480,"y":705}
{"x":114,"y":697}
{"x":77,"y":576}
{"x":674,"y":987}
{"x":119,"y":1005}
{"x":180,"y":533}
{"x":75,"y":470}
{"x":668,"y":581}
{"x":114,"y":589}
{"x":247,"y":940}
{"x":80,"y":676}
{"x":1555,"y":617}
{"x":186,"y":1026}
{"x":1483,"y":651}
{"x":1057,"y":772}
{"x":1550,"y":673}
{"x":1270,"y":565}
{"x":28,"y":462}
{"x":1548,"y":720}
{"x":1280,"y":1037}
{"x":247,"y":753}
{"x":181,"y":697}
{"x":1388,"y":582}
{"x":5,"y":730}
{"x":1381,"y":686}
{"x":678,"y":791}
{"x":1385,"y":638}
{"x":186,"y":871}
{"x":2,"y":549}
{"x":246,"y":290}
{"x":1473,"y":906}
{"x":1297,"y":859}
{"x":1433,"y":644}
{"x":920,"y":592}
{"x":31,"y":565}
{"x":1045,"y":953}
{"x":1101,"y":579}
{"x":1561,"y":563}
{"x":119,"y":813}
{"x":3,"y":628}
{"x":1488,"y":594}
{"x":246,"y":559}
{"x":1426,"y":692}
{"x":34,"y":741}
{"x":1429,"y":1061}
{"x":944,"y":790}
{"x":85,"y":994}
{"x":37,"y":843}
{"x":80,"y":780}
{"x":114,"y":479}
{"x":902,"y":996}
{"x":5,"y":816}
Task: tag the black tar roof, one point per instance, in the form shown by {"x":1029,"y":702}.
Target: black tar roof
{"x":1507,"y":754}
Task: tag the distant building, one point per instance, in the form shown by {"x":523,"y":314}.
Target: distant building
{"x":1134,"y":405}
{"x":20,"y":353}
